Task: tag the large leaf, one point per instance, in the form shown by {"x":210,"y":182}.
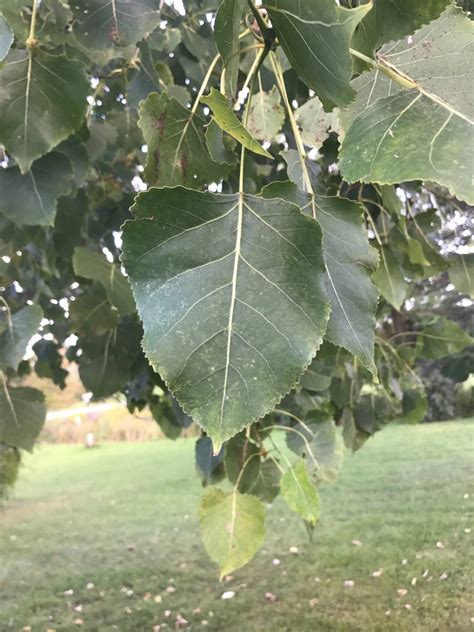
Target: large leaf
{"x":19,"y":330}
{"x":461,"y":273}
{"x":425,"y":132}
{"x":230,"y":323}
{"x":393,"y":19}
{"x":22,"y":415}
{"x":42,"y":101}
{"x":233,"y":527}
{"x":94,"y":265}
{"x":310,"y":33}
{"x":177,"y":149}
{"x":225,"y":117}
{"x":31,"y":199}
{"x":103,"y":24}
{"x":443,"y":337}
{"x":349,"y":259}
{"x":227,"y":29}
{"x":266,"y":115}
{"x":6,"y":37}
{"x":300,"y":493}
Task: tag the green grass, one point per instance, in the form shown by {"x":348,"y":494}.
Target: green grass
{"x":77,"y":512}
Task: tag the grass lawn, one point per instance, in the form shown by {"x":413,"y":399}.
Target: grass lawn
{"x":123,"y":518}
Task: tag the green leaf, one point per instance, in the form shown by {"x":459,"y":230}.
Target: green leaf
{"x":233,"y":527}
{"x":266,"y":115}
{"x":323,"y":447}
{"x":22,"y":415}
{"x":177,"y":151}
{"x":310,"y":33}
{"x":31,"y":199}
{"x":227,"y":28}
{"x":267,"y":485}
{"x":314,"y":123}
{"x":374,"y":411}
{"x":414,"y":405}
{"x":42,"y":101}
{"x":225,"y":117}
{"x":393,"y":19}
{"x":316,"y":377}
{"x":106,"y":361}
{"x":424,"y":133}
{"x":19,"y":330}
{"x":230,"y":324}
{"x":6,"y":37}
{"x":220,"y":146}
{"x":92,"y":314}
{"x":299,"y":493}
{"x":461,"y":273}
{"x":163,"y":414}
{"x":242,"y":463}
{"x":94,"y":265}
{"x":209,"y":466}
{"x":105,"y":25}
{"x":442,"y":338}
{"x":389,"y":279}
{"x":348,"y":263}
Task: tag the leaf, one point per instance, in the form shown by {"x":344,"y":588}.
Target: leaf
{"x":31,"y":199}
{"x":233,"y":527}
{"x":414,"y":405}
{"x":230,"y":324}
{"x":227,"y":29}
{"x":106,"y":361}
{"x":442,"y":338}
{"x":316,"y":377}
{"x":6,"y":37}
{"x":22,"y":415}
{"x":42,"y":101}
{"x":393,"y":19}
{"x":104,"y":25}
{"x":461,"y":273}
{"x":314,"y":122}
{"x":310,"y":33}
{"x":49,"y":360}
{"x":163,"y":414}
{"x":177,"y":151}
{"x":374,"y":411}
{"x":299,"y":493}
{"x":242,"y":463}
{"x":423,"y":133}
{"x":323,"y":447}
{"x":228,"y":121}
{"x":348,"y":263}
{"x":209,"y":465}
{"x":94,"y":265}
{"x":220,"y":146}
{"x":91,"y":314}
{"x":389,"y":279}
{"x":267,"y":485}
{"x":19,"y":330}
{"x":266,"y":115}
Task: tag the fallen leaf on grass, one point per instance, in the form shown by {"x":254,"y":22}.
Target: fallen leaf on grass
{"x":377,"y":573}
{"x":349,"y":583}
{"x":402,"y":592}
{"x":356,"y":543}
{"x":439,"y":545}
{"x":229,"y":594}
{"x":313,"y":602}
{"x":269,"y":596}
{"x":78,"y":622}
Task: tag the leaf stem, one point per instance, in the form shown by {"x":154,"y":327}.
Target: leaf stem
{"x":31,"y":41}
{"x":204,"y":83}
{"x":294,"y":126}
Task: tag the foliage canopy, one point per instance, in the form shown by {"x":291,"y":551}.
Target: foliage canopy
{"x":228,"y":208}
